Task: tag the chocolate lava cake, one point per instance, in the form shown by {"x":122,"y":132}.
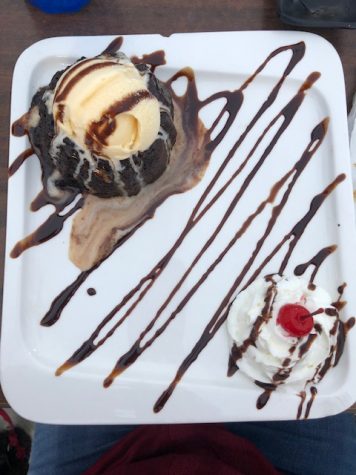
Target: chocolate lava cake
{"x":83,"y":167}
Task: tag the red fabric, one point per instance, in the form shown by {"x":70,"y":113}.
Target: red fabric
{"x":182,"y":449}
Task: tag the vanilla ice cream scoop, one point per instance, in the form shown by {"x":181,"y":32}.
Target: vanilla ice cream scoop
{"x":103,"y":104}
{"x":283,"y":330}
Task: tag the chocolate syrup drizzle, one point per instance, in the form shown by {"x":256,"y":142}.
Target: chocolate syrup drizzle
{"x":100,"y":130}
{"x":155,"y":59}
{"x":16,"y":164}
{"x":233,"y":102}
{"x":114,"y":46}
{"x":62,"y":92}
{"x":302,"y":396}
{"x":40,"y":201}
{"x":20,"y":126}
{"x":237,"y":352}
{"x":263,"y":399}
{"x":315,"y":261}
{"x":340,"y":304}
{"x":50,"y":228}
{"x":313,"y":393}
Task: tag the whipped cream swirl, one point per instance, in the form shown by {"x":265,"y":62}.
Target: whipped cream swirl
{"x":263,"y":349}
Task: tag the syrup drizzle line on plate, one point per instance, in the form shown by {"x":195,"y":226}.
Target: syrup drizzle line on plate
{"x":315,"y":261}
{"x":233,"y":103}
{"x":221,"y":314}
{"x":155,"y":59}
{"x":16,"y":164}
{"x":313,"y":393}
{"x":20,"y":127}
{"x":50,"y":228}
{"x":303,"y":395}
{"x":263,"y":398}
{"x":114,"y":46}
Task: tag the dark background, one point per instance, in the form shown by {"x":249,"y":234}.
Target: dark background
{"x":21,"y":25}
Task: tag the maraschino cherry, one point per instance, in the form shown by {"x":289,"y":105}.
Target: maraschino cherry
{"x":295,"y":319}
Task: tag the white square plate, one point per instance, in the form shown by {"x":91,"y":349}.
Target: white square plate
{"x":31,"y":353}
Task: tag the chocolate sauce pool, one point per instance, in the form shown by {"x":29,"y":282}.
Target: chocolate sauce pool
{"x":191,"y":105}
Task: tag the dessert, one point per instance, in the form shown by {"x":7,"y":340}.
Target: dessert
{"x":286,"y":331}
{"x":282,"y":330}
{"x":107,"y":128}
{"x":102,"y":126}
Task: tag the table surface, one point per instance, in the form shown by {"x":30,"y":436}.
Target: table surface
{"x":21,"y":25}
